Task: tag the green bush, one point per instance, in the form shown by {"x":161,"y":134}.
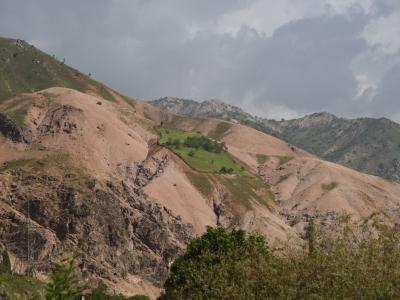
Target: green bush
{"x":64,"y":283}
{"x":232,"y":265}
{"x":220,"y":265}
{"x":329,"y":186}
{"x":204,"y":143}
{"x":5,"y":266}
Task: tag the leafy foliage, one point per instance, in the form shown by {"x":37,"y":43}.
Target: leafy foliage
{"x":220,"y":265}
{"x":64,"y":283}
{"x":204,"y":143}
{"x":5,"y":266}
{"x":232,"y":265}
{"x":19,"y":287}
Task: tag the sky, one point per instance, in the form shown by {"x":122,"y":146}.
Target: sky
{"x":273,"y":58}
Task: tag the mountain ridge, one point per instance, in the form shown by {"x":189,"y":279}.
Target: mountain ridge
{"x":350,"y":142}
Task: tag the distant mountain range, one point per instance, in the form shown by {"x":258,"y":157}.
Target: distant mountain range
{"x":368,"y":145}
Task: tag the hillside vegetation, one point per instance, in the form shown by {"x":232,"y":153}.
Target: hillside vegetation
{"x":199,"y":152}
{"x":212,"y":166}
{"x":26,"y":69}
{"x":234,"y":265}
{"x":365,"y":144}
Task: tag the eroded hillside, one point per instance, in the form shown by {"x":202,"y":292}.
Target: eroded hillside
{"x":82,"y":173}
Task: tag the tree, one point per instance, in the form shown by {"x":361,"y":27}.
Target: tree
{"x":310,"y":236}
{"x":64,"y":282}
{"x":221,"y":265}
{"x":5,"y":266}
{"x":176,"y":143}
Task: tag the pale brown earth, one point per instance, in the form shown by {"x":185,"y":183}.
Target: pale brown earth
{"x":175,"y":191}
{"x":115,"y":144}
{"x":298,"y":183}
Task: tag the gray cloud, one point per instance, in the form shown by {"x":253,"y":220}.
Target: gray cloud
{"x":316,"y":56}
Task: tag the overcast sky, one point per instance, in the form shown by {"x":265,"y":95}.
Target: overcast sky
{"x":274,"y":58}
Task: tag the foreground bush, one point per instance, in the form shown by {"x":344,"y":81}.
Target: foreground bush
{"x":222,"y":265}
{"x":232,"y":265}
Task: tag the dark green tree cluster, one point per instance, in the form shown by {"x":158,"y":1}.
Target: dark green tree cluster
{"x":173,"y":142}
{"x":225,"y":170}
{"x":202,"y":142}
{"x":233,"y":265}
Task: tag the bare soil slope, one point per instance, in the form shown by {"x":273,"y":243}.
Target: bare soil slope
{"x":79,"y":169}
{"x":304,"y":185}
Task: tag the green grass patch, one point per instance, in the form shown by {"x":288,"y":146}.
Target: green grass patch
{"x":198,"y":158}
{"x":284,"y":159}
{"x":104,"y":93}
{"x":17,"y":164}
{"x":210,"y":162}
{"x":220,"y":131}
{"x":26,"y":69}
{"x":53,"y":164}
{"x":261,"y":158}
{"x":173,"y":133}
{"x":18,"y":117}
{"x":50,"y":97}
{"x":246,"y":188}
{"x":329,"y":186}
{"x":201,"y":182}
{"x":18,"y":287}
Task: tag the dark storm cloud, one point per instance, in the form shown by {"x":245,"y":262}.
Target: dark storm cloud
{"x":150,"y":49}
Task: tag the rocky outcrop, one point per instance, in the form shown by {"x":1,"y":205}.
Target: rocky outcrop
{"x":140,"y":175}
{"x":391,"y":171}
{"x":10,"y":130}
{"x":118,"y":232}
{"x":59,"y":121}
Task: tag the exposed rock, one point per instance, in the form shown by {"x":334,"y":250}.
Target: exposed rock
{"x":59,"y":121}
{"x":10,"y":130}
{"x":119,"y":231}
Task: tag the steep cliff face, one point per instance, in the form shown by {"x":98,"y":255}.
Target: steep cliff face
{"x":118,"y":231}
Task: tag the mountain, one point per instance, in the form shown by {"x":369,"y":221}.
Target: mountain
{"x":367,"y":145}
{"x":128,"y":185}
{"x":26,"y":69}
